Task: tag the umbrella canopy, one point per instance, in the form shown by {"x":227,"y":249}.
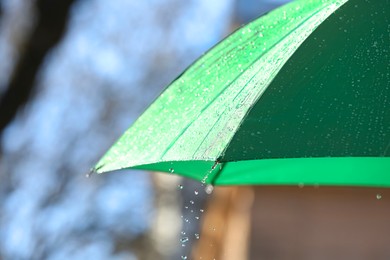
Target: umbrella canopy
{"x":301,"y":95}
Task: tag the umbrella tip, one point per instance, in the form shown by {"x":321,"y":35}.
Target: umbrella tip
{"x":212,"y":173}
{"x":216,"y":163}
{"x":93,"y":170}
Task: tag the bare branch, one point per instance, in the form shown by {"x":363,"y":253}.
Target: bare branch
{"x":52,"y":16}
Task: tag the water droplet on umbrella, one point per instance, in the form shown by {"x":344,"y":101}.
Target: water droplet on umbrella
{"x":205,"y":178}
{"x":184,"y":257}
{"x":171,"y":170}
{"x":196,"y":192}
{"x":183,"y":232}
{"x":378,"y":196}
{"x":192,"y":202}
{"x":197,"y":217}
{"x":201,"y":210}
{"x":180,"y":187}
{"x":197,"y":236}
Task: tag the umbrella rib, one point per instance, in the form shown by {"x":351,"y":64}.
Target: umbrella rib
{"x":242,"y":89}
{"x":249,"y":109}
{"x":304,"y":21}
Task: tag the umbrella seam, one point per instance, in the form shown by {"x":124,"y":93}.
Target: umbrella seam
{"x":223,"y":112}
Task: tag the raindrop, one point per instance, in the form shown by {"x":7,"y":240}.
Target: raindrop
{"x":197,"y":236}
{"x":184,"y":239}
{"x":196,"y":192}
{"x":183,"y":233}
{"x":197,"y":217}
{"x":378,"y":196}
{"x":184,"y":257}
{"x":171,"y":170}
{"x":180,"y":187}
{"x":201,"y":210}
{"x":209,"y":189}
{"x":192,"y":202}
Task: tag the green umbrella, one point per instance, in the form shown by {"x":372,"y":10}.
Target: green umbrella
{"x":301,"y":95}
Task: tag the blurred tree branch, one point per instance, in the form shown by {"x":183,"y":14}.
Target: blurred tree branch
{"x":51,"y":21}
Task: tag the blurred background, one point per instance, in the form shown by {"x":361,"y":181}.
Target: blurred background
{"x":74,"y":75}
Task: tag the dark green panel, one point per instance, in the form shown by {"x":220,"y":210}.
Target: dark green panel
{"x":332,"y":98}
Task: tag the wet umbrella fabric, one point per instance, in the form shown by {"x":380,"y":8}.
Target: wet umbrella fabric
{"x":299,"y":96}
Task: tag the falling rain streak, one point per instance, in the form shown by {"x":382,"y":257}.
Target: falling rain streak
{"x":192,"y":214}
{"x":193,"y":210}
